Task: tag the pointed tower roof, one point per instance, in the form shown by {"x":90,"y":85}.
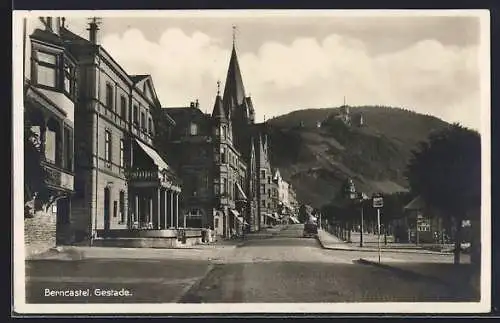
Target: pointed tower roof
{"x":234,"y":91}
{"x":218,"y":112}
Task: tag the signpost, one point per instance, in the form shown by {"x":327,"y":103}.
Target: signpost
{"x":378,"y":203}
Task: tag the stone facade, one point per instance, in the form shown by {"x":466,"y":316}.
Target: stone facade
{"x":39,"y":233}
{"x":49,"y":101}
{"x":122,"y":182}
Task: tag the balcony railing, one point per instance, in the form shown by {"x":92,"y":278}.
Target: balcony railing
{"x":144,"y":175}
{"x":58,"y":177}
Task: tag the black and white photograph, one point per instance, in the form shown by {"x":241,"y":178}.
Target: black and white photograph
{"x":251,"y":161}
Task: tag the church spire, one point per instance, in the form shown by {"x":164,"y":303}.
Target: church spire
{"x":234,"y":91}
{"x":218,"y":111}
{"x":234,"y":36}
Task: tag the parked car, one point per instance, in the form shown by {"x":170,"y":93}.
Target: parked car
{"x":310,"y":230}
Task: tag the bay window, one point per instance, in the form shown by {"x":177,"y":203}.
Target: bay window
{"x":69,"y":78}
{"x":53,"y":70}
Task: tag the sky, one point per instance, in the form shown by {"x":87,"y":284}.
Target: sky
{"x":428,"y":64}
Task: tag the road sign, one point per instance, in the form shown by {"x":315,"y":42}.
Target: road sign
{"x":378,"y":202}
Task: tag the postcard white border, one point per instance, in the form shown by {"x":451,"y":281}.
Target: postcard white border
{"x":20,"y":305}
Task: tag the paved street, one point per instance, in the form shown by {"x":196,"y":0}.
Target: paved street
{"x":273,"y":266}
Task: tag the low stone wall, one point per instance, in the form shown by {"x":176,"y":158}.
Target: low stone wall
{"x":39,"y":233}
{"x":166,"y":243}
{"x":148,"y":233}
{"x":171,"y":238}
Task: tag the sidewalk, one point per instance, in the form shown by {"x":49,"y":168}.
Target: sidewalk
{"x":74,"y":253}
{"x":329,"y":241}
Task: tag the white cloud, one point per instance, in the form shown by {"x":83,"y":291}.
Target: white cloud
{"x":427,"y":77}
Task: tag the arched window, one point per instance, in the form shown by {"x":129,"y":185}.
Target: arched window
{"x":193,"y":129}
{"x":224,"y":132}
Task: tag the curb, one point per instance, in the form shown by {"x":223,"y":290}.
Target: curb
{"x":416,"y":251}
{"x":421,"y":252}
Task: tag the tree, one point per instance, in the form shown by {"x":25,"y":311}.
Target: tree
{"x":302,"y":213}
{"x":446,"y":172}
{"x":35,"y":175}
{"x":393,"y":209}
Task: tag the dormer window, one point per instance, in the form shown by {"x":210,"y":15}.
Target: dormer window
{"x":193,"y":129}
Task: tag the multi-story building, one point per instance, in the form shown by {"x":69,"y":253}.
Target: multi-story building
{"x":122,"y":182}
{"x":282,"y":187}
{"x":292,"y":199}
{"x":241,"y":114}
{"x":220,"y":158}
{"x":212,"y":169}
{"x":266,"y":195}
{"x":49,"y":103}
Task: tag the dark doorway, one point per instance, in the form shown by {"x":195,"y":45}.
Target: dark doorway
{"x":62,"y":221}
{"x":106,"y":209}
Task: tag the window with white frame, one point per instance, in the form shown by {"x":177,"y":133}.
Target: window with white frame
{"x":53,"y":70}
{"x":46,"y":69}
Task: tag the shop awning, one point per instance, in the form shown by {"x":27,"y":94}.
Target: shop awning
{"x":416,"y":204}
{"x":241,"y":220}
{"x":241,"y":193}
{"x":237,"y":216}
{"x":270,"y":215}
{"x":157,"y":160}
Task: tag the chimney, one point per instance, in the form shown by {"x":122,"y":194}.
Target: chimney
{"x":48,"y":23}
{"x":93,"y":28}
{"x":191,"y":104}
{"x":197,"y":104}
{"x":56,"y":26}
